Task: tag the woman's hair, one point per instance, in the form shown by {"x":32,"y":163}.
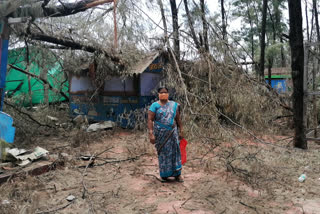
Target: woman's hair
{"x":160,"y":88}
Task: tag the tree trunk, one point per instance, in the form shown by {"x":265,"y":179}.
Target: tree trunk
{"x":307,"y":20}
{"x":283,"y":58}
{"x":297,"y":66}
{"x":72,"y":44}
{"x":164,"y":21}
{"x":176,"y":42}
{"x":252,"y":38}
{"x":262,"y":39}
{"x":315,"y":10}
{"x":27,"y":69}
{"x":190,"y":22}
{"x":44,"y":77}
{"x":224,"y":23}
{"x":205,"y":26}
{"x":269,"y":72}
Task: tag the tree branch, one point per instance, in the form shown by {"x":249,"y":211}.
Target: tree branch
{"x":71,"y":44}
{"x":26,"y":114}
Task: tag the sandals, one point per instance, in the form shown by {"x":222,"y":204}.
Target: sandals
{"x":179,"y":179}
{"x":164,"y":179}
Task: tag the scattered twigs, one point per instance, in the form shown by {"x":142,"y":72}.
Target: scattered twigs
{"x":116,"y":161}
{"x":242,"y":127}
{"x":107,"y":149}
{"x":55,"y":210}
{"x":251,"y":207}
{"x":186,"y":201}
{"x":26,"y":114}
{"x":83,"y":174}
{"x":175,"y":209}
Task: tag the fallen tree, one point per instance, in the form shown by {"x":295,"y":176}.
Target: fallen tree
{"x":41,"y":8}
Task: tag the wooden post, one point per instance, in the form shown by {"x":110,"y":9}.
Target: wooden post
{"x":4,"y":43}
{"x":115,"y":25}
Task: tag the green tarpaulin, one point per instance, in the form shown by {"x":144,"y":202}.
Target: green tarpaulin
{"x":17,"y":85}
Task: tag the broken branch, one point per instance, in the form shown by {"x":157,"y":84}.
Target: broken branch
{"x":26,"y":114}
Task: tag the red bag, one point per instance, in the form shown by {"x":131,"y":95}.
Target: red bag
{"x":183,"y":145}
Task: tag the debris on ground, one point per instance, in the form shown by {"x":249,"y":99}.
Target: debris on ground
{"x":52,"y":118}
{"x":71,"y":198}
{"x":22,"y":157}
{"x":100,"y":126}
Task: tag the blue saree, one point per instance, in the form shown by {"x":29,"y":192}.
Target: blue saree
{"x":169,"y":157}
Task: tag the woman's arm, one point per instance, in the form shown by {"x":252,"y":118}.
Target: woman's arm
{"x":179,"y":123}
{"x":151,"y":116}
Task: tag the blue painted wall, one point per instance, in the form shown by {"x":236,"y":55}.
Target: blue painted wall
{"x":280,"y":85}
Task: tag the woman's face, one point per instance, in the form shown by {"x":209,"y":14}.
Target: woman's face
{"x":163,"y":94}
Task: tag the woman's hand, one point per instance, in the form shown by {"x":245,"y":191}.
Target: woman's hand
{"x":152,"y":138}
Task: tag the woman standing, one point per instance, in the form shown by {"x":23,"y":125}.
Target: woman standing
{"x":163,"y":119}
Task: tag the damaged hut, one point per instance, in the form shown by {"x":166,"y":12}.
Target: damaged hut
{"x":120,"y":96}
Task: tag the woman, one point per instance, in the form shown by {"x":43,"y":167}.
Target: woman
{"x":163,"y":119}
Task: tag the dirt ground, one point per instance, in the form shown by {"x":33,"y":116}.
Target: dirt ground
{"x":124,"y":178}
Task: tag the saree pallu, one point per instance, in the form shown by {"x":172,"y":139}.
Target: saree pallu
{"x":170,"y":156}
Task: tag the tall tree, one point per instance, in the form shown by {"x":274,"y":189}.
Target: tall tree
{"x":175,"y":24}
{"x":204,"y":25}
{"x":262,"y":39}
{"x":297,"y":63}
{"x":190,"y":23}
{"x":315,"y":10}
{"x":224,"y":22}
{"x":164,"y":21}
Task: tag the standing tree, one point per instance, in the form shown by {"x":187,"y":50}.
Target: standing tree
{"x":164,"y":21}
{"x":262,"y":39}
{"x":297,"y":63}
{"x":315,"y":10}
{"x":224,"y":21}
{"x":204,"y":26}
{"x":176,"y":41}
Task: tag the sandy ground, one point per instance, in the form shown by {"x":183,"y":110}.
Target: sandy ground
{"x":124,"y":179}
